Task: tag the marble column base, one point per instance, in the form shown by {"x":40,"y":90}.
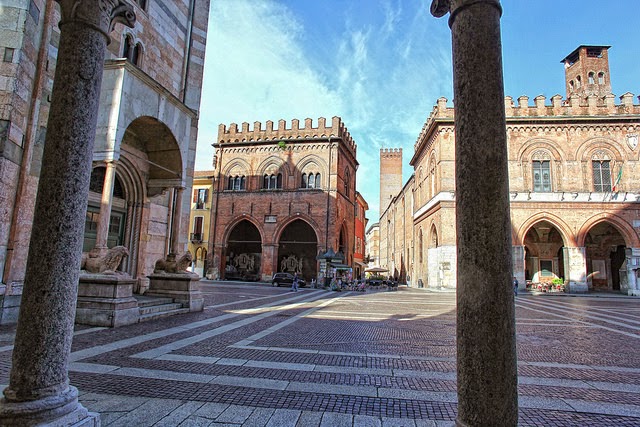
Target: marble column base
{"x":62,"y":410}
{"x":182,"y":287}
{"x":106,"y":300}
{"x":634,"y":292}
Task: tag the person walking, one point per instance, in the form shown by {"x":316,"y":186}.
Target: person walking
{"x":515,"y":286}
{"x":294,"y":285}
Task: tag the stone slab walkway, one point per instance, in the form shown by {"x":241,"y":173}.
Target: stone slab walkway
{"x":262,"y":356}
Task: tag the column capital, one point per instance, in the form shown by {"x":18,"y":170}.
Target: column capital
{"x":439,"y":8}
{"x":102,"y":15}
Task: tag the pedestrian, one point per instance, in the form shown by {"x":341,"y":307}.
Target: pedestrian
{"x":294,"y":285}
{"x":515,"y":286}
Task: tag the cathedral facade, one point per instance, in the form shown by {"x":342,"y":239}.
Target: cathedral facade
{"x":573,"y":173}
{"x":145,"y":142}
{"x":282,"y":198}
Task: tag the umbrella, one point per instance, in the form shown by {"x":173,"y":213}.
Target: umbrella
{"x":375,"y":270}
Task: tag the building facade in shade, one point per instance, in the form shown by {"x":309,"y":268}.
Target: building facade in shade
{"x":372,"y":241}
{"x":573,"y":169}
{"x":281,"y":197}
{"x":200,"y":220}
{"x":145,"y":140}
{"x":359,"y":251}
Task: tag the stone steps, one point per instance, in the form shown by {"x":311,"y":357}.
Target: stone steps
{"x":161,"y":314}
{"x":152,"y":307}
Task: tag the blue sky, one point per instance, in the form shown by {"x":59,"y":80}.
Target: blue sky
{"x":382,"y":64}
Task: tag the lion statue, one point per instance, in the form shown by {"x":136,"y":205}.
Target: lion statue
{"x":173,"y":265}
{"x":105,"y":264}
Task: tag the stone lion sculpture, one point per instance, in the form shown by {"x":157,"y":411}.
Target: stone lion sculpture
{"x":105,"y":264}
{"x":173,"y":265}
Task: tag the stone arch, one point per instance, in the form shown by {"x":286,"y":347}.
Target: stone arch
{"x":606,"y":150}
{"x":311,"y":165}
{"x":151,"y":145}
{"x":545,"y":249}
{"x":235,"y":221}
{"x":297,"y":248}
{"x":586,"y":149}
{"x":239,"y":165}
{"x":624,"y":228}
{"x":243,"y":249}
{"x":606,"y":238}
{"x":563,"y":227}
{"x":271,"y":164}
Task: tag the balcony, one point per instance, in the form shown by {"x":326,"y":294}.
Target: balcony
{"x":196,"y":237}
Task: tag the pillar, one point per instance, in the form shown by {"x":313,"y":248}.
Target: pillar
{"x":486,"y":345}
{"x":105,"y":207}
{"x":575,"y":267}
{"x":175,"y":220}
{"x":39,"y":391}
{"x":633,"y":264}
{"x":269,"y":260}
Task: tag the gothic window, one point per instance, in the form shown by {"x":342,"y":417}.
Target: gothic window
{"x":272,"y":182}
{"x":237,"y":183}
{"x":136,"y":54}
{"x":303,"y":184}
{"x":600,"y":78}
{"x":127,"y":46}
{"x":601,"y":175}
{"x":347,"y":182}
{"x":312,"y":181}
{"x":592,"y":79}
{"x":541,"y":176}
{"x":571,"y":85}
{"x":578,"y":81}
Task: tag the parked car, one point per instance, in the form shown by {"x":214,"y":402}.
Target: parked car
{"x":286,"y":279}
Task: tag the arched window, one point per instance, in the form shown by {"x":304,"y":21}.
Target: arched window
{"x":272,"y":182}
{"x":243,"y":183}
{"x":136,"y":55}
{"x":541,"y":171}
{"x":592,"y":79}
{"x":318,"y":180}
{"x":601,"y":78}
{"x":127,"y":46}
{"x":312,"y":181}
{"x":230,"y":184}
{"x":304,"y":181}
{"x":578,"y":81}
{"x":571,"y":85}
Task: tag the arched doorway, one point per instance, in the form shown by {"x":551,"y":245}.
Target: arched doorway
{"x":605,"y":251}
{"x":297,"y":250}
{"x":243,"y":252}
{"x":544,"y":254}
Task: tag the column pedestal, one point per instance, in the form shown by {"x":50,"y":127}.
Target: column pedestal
{"x":105,"y":300}
{"x":575,"y":266}
{"x":183,"y":288}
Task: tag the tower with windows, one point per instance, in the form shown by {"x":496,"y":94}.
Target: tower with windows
{"x":587,"y":71}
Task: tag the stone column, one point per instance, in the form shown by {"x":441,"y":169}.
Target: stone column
{"x":486,"y":345}
{"x":105,"y":207}
{"x":175,"y":221}
{"x":575,"y":268}
{"x":39,"y":391}
{"x":633,"y":263}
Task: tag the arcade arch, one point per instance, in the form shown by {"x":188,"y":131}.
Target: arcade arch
{"x":243,"y":255}
{"x":297,"y":249}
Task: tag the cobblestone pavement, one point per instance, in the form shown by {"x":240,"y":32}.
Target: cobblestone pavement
{"x":262,"y":356}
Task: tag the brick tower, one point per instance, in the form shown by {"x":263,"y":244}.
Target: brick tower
{"x":390,"y":175}
{"x":586,"y":71}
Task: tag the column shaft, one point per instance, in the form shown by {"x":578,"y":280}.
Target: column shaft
{"x":105,"y":206}
{"x":486,"y":345}
{"x":175,"y":221}
{"x":39,"y":390}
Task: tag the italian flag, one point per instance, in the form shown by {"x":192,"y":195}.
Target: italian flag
{"x":618,"y":178}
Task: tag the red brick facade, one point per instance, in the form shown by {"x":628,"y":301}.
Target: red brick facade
{"x":280,"y":197}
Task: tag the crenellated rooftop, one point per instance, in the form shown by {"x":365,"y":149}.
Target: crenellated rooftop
{"x":391,"y":152}
{"x":590,"y":106}
{"x":257,"y":133}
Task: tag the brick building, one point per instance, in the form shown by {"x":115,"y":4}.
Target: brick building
{"x":359,"y":252}
{"x":573,"y":169}
{"x":281,"y":197}
{"x":145,"y":141}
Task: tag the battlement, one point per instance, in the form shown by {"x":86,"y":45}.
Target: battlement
{"x":588,"y":106}
{"x":337,"y":129}
{"x":391,"y":152}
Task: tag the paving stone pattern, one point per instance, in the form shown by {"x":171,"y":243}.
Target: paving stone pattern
{"x":262,"y":356}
